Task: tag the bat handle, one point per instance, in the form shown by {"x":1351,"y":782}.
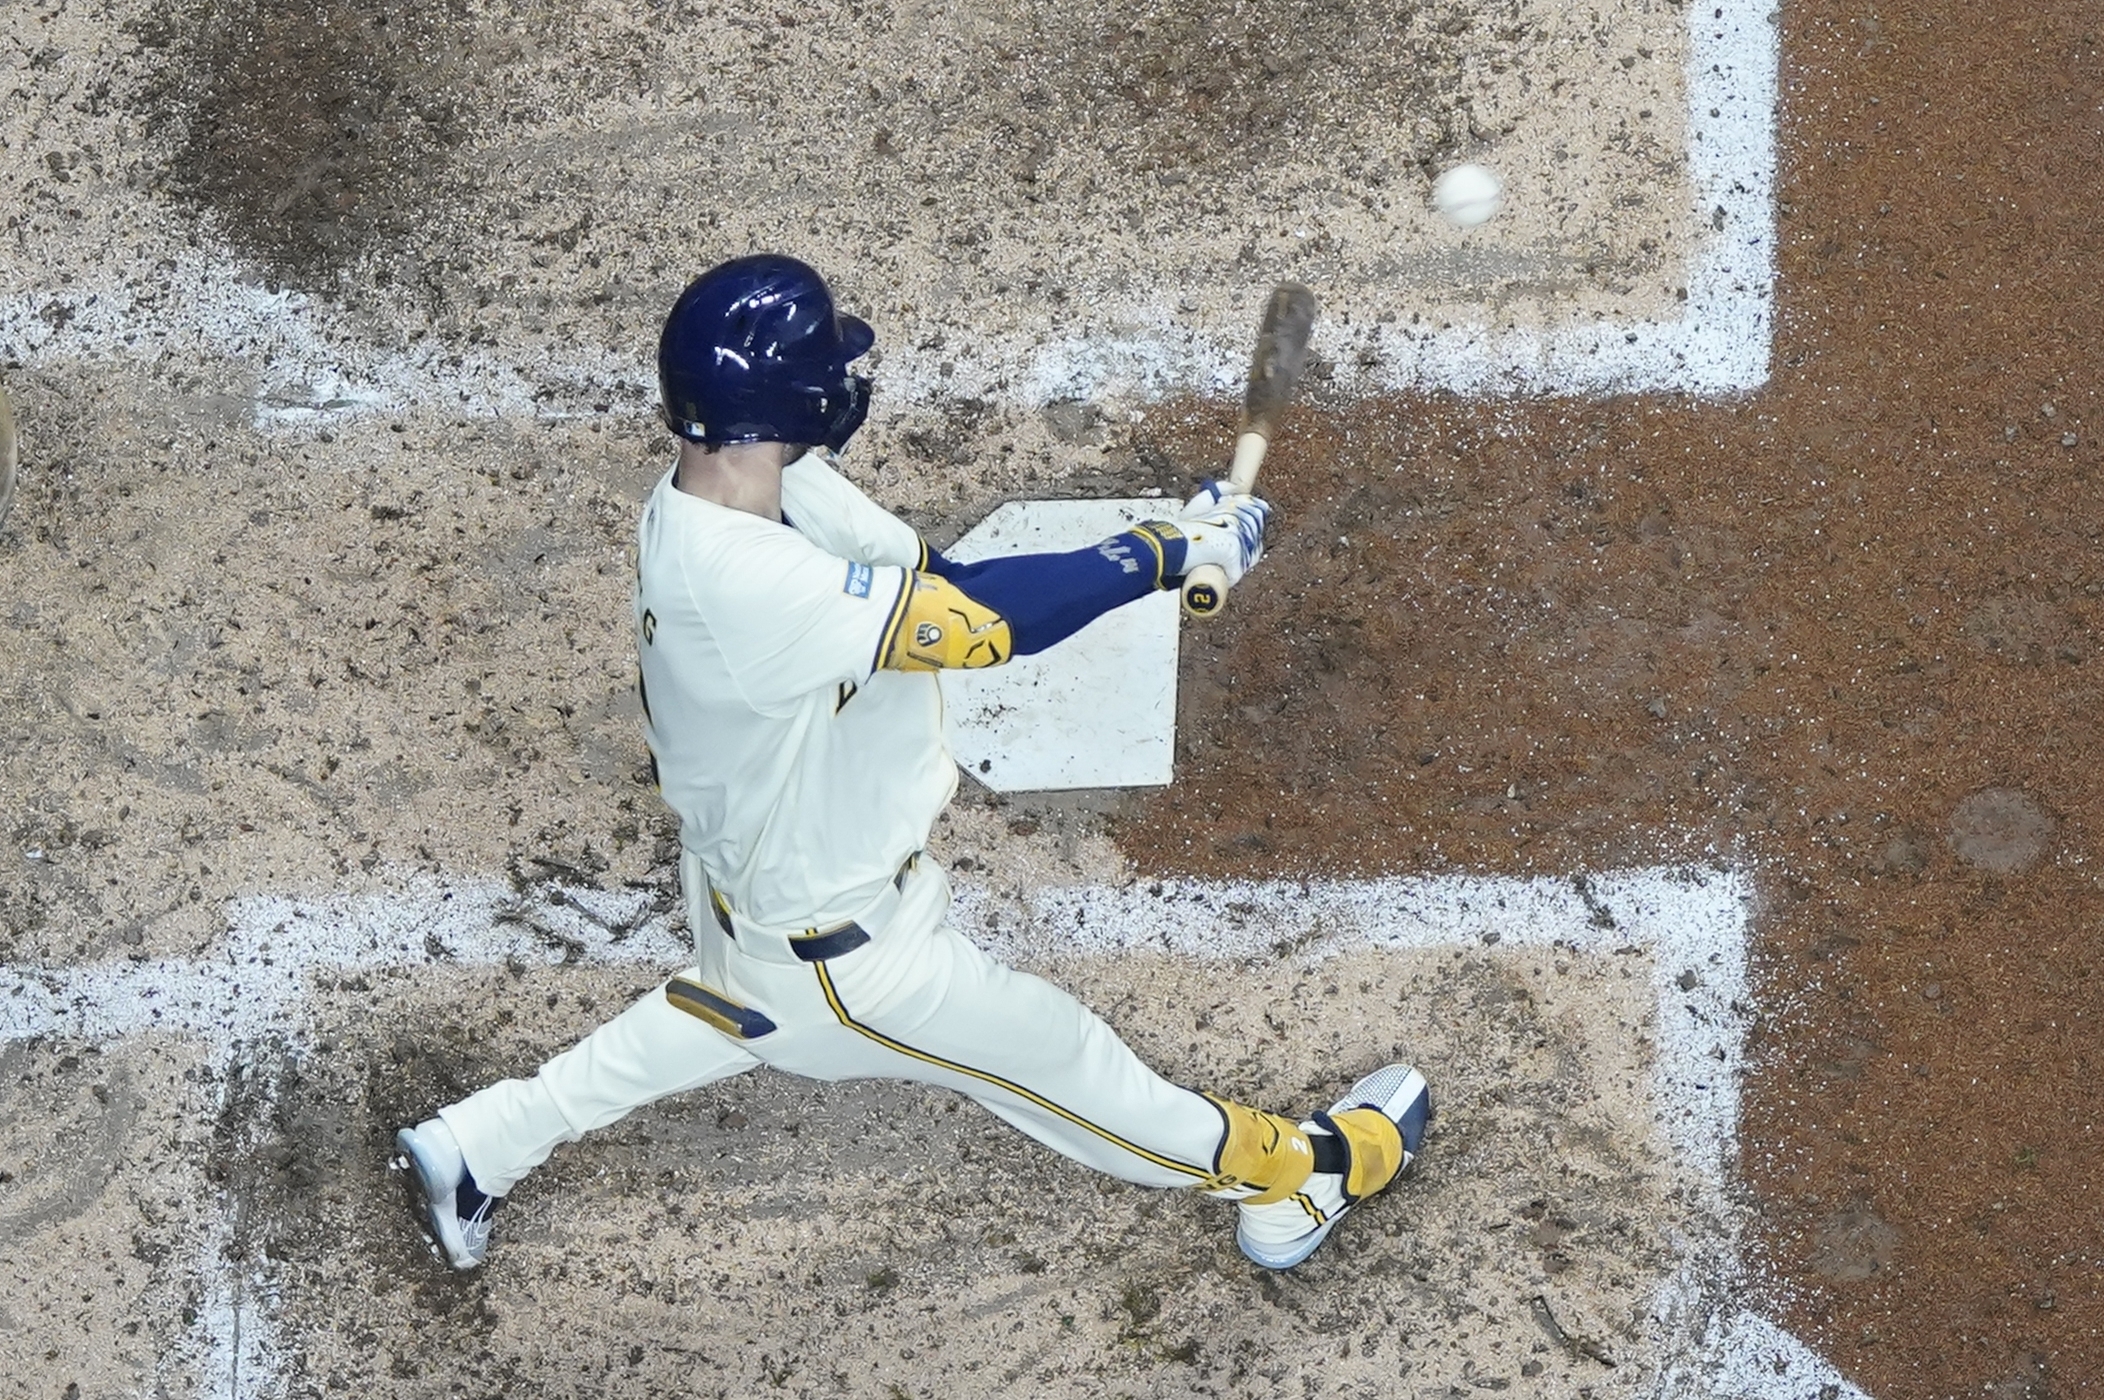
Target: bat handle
{"x":1205,"y":587}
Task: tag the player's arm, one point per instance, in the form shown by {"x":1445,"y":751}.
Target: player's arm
{"x":843,"y":520}
{"x":964,"y":616}
{"x":791,"y":619}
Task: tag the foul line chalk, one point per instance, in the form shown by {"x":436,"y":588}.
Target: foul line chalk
{"x":1686,"y":920}
{"x":311,"y":367}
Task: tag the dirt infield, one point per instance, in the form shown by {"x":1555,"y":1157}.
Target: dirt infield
{"x":286,"y":620}
{"x":1845,"y":628}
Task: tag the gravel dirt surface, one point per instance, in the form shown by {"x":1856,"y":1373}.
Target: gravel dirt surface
{"x":1840,"y":632}
{"x":1844,"y":629}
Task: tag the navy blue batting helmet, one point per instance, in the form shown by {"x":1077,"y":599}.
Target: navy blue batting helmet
{"x":754,"y":352}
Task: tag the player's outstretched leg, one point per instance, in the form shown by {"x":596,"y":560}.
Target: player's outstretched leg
{"x":662,"y":1044}
{"x":454,"y":1207}
{"x":1364,"y":1142}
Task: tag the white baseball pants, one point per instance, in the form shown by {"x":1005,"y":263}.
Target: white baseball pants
{"x":917,"y":1002}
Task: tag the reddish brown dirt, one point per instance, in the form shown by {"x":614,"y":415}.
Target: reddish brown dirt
{"x":1803,"y":631}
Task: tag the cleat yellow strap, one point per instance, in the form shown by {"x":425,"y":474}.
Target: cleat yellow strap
{"x":1261,"y":1152}
{"x":1376,"y":1145}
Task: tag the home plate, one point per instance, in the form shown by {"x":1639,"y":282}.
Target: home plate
{"x":1096,"y":711}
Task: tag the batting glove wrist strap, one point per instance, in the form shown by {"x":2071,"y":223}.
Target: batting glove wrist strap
{"x":1169,"y":546}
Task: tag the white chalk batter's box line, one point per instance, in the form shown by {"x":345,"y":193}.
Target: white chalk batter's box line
{"x":310,"y":369}
{"x":1685,"y":919}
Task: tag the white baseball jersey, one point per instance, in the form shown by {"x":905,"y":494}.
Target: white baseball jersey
{"x":802,"y":774}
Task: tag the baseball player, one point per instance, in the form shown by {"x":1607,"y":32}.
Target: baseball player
{"x":789,"y":631}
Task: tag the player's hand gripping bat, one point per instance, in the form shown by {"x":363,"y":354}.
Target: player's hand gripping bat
{"x":1281,"y":354}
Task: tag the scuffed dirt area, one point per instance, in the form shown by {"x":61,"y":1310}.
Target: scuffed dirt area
{"x":512,"y":193}
{"x":1841,"y":631}
{"x":108,"y":1213}
{"x":399,"y":645}
{"x":874,"y":1239}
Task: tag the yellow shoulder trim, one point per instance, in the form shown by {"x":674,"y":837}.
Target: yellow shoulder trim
{"x":943,"y":628}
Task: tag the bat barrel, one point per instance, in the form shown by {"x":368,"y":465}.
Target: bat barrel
{"x":1274,"y":370}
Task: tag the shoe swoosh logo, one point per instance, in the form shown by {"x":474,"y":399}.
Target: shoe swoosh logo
{"x":474,"y":1229}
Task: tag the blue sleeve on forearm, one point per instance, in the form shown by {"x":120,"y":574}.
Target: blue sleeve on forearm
{"x":1049,"y":597}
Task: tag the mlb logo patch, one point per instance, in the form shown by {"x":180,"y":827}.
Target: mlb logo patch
{"x":859,"y":577}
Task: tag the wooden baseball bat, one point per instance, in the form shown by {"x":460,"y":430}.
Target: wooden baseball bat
{"x":1274,"y":370}
{"x":7,"y":455}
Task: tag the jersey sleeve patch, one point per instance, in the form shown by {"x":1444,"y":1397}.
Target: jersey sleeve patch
{"x":859,"y":578}
{"x":939,"y":627}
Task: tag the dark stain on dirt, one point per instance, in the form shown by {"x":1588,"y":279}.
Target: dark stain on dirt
{"x":2031,"y":1379}
{"x":318,"y":1123}
{"x":301,"y":1155}
{"x":1853,"y":1244}
{"x":2001,"y":830}
{"x":309,"y":134}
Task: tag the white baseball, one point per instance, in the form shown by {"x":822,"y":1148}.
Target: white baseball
{"x":1468,"y":194}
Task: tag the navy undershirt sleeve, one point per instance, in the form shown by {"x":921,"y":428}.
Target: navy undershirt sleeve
{"x":1049,"y":597}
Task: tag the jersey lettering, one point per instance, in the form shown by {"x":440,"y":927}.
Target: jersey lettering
{"x":1119,"y":553}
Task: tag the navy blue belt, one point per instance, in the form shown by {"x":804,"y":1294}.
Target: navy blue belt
{"x":816,"y":944}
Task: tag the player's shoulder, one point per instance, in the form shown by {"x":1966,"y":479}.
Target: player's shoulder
{"x":734,"y":563}
{"x":839,"y":516}
{"x":671,"y":511}
{"x":816,"y":465}
{"x":814,"y":484}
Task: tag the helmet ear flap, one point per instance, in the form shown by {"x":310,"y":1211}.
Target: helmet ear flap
{"x":854,"y":408}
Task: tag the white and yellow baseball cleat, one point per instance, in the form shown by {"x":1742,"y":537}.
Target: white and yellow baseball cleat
{"x":455,"y":1212}
{"x":1365,"y":1141}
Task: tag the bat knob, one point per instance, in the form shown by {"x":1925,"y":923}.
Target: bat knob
{"x":1202,"y":600}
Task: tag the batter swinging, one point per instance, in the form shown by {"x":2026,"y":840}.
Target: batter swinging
{"x":789,"y":630}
